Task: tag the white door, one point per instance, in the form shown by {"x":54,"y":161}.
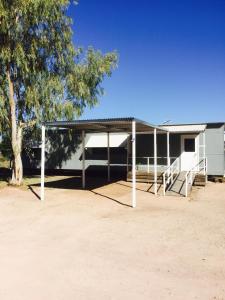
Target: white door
{"x":189,"y":153}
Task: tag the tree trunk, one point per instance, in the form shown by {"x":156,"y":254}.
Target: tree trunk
{"x":17,"y":167}
{"x":16,"y":138}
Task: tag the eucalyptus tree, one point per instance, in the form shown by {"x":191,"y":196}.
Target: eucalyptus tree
{"x":43,"y":76}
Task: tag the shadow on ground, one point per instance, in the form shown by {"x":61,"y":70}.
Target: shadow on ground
{"x":75,"y":182}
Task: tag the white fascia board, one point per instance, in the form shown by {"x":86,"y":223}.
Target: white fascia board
{"x":97,"y":140}
{"x":185,"y":128}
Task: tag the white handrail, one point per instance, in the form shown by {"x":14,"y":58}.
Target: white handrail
{"x":189,"y":175}
{"x":172,"y":170}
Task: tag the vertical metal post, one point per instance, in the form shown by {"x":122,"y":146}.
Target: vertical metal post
{"x":108,"y":155}
{"x":42,"y":163}
{"x":83,"y":159}
{"x":155,"y":161}
{"x":168,"y":148}
{"x":133,"y":163}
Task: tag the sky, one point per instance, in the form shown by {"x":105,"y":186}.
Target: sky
{"x":171,"y":57}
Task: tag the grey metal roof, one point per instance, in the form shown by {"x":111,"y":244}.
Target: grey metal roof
{"x":105,"y":125}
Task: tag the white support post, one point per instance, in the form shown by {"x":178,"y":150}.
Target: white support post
{"x":108,"y":155}
{"x":133,"y":163}
{"x":155,"y":161}
{"x":42,"y":163}
{"x":168,"y":148}
{"x":83,"y":159}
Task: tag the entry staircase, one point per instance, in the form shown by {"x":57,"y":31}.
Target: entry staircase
{"x":171,"y":181}
{"x":179,"y":183}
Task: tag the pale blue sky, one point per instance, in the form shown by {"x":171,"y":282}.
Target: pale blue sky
{"x":172,"y":57}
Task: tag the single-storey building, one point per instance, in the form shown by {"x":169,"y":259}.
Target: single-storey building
{"x":173,"y":156}
{"x":196,"y":141}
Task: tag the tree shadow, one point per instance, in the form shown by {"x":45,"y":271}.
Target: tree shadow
{"x":60,"y":146}
{"x":5,"y":175}
{"x":5,"y":172}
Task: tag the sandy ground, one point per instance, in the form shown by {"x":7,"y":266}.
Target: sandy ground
{"x":86,"y":245}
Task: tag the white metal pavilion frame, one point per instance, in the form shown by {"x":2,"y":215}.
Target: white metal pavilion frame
{"x":131,"y":126}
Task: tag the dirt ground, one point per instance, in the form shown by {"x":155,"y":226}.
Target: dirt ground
{"x":90,"y":245}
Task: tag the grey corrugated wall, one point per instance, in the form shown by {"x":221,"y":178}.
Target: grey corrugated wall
{"x":66,"y":153}
{"x":215,"y":149}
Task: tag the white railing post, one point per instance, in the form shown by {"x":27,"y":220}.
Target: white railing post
{"x":169,"y":172}
{"x":148,"y":166}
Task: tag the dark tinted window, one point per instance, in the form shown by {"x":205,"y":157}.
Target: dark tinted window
{"x":117,"y":155}
{"x":189,"y":145}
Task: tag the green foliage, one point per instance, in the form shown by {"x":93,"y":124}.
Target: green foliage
{"x":52,"y":79}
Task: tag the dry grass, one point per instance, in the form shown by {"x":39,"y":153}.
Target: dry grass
{"x":3,"y":183}
{"x":27,"y":181}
